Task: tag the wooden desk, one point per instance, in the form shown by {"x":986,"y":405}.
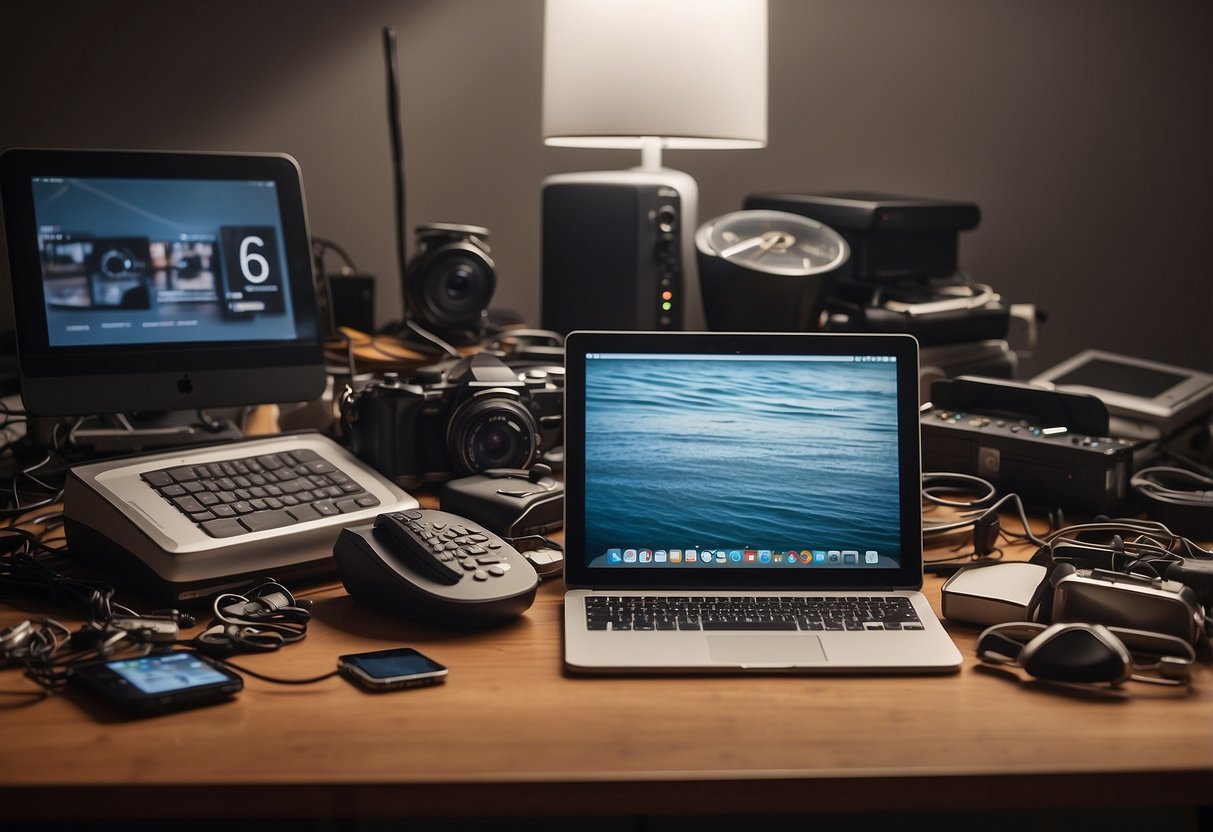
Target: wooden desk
{"x":511,"y":734}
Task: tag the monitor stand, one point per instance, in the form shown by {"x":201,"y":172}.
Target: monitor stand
{"x":127,"y":433}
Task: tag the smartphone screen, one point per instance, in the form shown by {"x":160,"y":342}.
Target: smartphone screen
{"x":159,"y":682}
{"x":391,"y":669}
{"x":172,"y":673}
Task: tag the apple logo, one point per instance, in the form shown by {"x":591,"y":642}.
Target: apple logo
{"x":185,"y":385}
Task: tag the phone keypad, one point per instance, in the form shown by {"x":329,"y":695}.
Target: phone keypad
{"x":446,"y":551}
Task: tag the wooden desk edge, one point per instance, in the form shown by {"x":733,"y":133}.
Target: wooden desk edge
{"x":856,"y":791}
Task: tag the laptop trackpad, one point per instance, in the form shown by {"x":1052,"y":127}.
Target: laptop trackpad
{"x":765,"y":651}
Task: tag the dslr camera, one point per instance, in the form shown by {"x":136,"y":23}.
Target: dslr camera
{"x":475,"y":414}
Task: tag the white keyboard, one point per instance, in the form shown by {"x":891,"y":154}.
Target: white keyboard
{"x":185,"y":524}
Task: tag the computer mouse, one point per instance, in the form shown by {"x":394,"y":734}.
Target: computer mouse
{"x":435,"y":568}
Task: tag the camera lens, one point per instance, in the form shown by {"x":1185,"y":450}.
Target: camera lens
{"x":452,"y":290}
{"x":492,"y":431}
{"x":458,"y":286}
{"x":496,"y":444}
{"x":459,"y":283}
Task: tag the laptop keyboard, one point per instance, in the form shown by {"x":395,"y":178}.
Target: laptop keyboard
{"x":677,"y":612}
{"x":255,"y":493}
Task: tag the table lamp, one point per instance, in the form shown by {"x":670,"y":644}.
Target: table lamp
{"x":618,"y":247}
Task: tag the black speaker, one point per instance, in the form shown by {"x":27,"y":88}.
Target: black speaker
{"x":617,"y":251}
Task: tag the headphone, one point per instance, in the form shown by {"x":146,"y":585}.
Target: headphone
{"x":1178,"y":497}
{"x":267,"y":618}
{"x":1088,"y":654}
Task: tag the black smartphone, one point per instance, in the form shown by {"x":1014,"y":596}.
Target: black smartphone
{"x":400,"y":667}
{"x":157,"y":683}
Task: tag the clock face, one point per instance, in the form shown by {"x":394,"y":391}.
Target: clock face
{"x":773,"y":241}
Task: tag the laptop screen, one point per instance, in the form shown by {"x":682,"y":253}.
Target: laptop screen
{"x":704,"y":459}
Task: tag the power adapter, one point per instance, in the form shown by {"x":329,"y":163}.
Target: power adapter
{"x":992,"y":594}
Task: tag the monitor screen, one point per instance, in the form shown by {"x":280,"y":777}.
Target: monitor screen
{"x":719,"y":424}
{"x":1119,"y":377}
{"x":159,"y":281}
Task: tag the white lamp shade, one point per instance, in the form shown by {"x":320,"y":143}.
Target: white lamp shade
{"x":690,"y":72}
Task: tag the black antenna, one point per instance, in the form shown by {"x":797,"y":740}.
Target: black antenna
{"x":393,"y":112}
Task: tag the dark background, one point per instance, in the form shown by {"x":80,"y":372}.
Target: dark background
{"x":1080,"y":127}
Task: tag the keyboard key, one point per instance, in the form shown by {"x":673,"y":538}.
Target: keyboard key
{"x":183,"y":474}
{"x":303,"y":513}
{"x":261,"y":520}
{"x":223,"y":527}
{"x":158,"y":479}
{"x":326,"y":508}
{"x":747,"y":625}
{"x":187,"y":504}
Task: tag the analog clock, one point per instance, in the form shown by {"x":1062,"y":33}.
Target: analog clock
{"x":767,"y":270}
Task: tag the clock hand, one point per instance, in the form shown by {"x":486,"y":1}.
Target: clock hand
{"x":766,"y":241}
{"x":744,"y":245}
{"x":780,"y":241}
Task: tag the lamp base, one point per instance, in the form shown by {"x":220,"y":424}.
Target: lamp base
{"x":618,"y":251}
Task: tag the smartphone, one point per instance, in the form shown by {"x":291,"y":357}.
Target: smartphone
{"x":382,"y":670}
{"x":157,"y":683}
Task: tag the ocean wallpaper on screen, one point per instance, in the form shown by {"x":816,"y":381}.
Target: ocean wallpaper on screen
{"x":755,"y":453}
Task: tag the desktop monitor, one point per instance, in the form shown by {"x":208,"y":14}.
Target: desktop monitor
{"x":148,"y":282}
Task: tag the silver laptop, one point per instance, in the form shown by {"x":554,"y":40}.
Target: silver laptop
{"x":745,"y":502}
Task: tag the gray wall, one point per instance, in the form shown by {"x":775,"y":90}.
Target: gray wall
{"x":1081,"y":128}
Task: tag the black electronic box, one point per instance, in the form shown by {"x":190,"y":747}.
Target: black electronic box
{"x":618,"y":252}
{"x":891,"y":237}
{"x":1050,"y":448}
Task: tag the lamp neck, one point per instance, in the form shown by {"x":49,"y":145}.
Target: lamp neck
{"x":650,"y":152}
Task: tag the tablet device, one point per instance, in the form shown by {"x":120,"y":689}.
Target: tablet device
{"x":1151,"y":398}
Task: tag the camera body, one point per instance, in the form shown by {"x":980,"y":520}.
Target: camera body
{"x":449,"y":282}
{"x":476,"y":414}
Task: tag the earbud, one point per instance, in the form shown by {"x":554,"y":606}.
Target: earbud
{"x":183,"y":619}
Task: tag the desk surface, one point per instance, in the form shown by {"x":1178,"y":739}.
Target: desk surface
{"x":511,"y":733}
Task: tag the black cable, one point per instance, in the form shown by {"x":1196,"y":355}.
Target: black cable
{"x":25,"y":573}
{"x":277,"y":680}
{"x":324,"y":287}
{"x":351,"y":366}
{"x":208,"y":422}
{"x":432,"y":338}
{"x":321,"y":244}
{"x":394,"y":121}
